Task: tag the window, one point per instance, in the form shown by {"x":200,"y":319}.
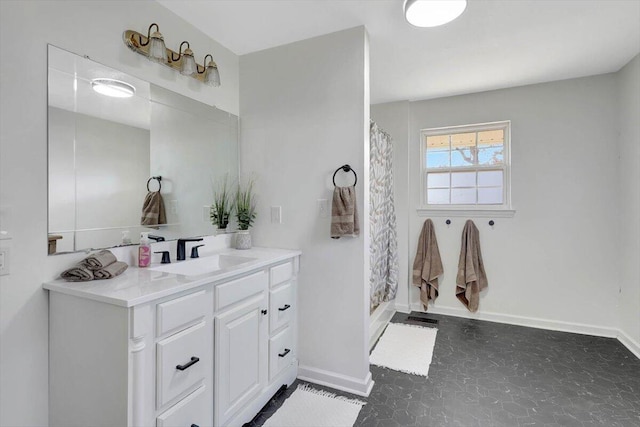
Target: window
{"x":466,"y":167}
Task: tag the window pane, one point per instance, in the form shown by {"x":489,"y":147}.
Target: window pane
{"x":491,"y":155}
{"x":490,"y":179}
{"x":491,"y":147}
{"x":463,"y":179}
{"x":438,"y":159}
{"x":440,"y":180}
{"x":463,"y":196}
{"x":437,"y":197}
{"x":490,"y":196}
{"x":463,"y":149}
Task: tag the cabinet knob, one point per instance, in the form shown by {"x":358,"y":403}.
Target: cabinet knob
{"x":194,"y":425}
{"x":264,"y":312}
{"x":187,"y":365}
{"x":286,"y":307}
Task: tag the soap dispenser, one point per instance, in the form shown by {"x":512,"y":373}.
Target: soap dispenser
{"x":144,"y":250}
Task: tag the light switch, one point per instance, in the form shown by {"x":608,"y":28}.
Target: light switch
{"x":4,"y":261}
{"x":323,"y":207}
{"x":276,"y":214}
{"x":173,"y":206}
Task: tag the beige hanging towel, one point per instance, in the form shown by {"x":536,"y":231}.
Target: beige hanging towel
{"x":153,"y":212}
{"x":471,"y":278}
{"x":344,"y":213}
{"x":427,"y":266}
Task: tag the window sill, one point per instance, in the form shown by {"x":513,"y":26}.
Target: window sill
{"x":465,"y":212}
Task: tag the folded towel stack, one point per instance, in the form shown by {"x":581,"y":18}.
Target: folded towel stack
{"x":98,"y":266}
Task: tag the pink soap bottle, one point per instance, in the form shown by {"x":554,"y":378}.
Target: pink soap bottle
{"x":144,"y":250}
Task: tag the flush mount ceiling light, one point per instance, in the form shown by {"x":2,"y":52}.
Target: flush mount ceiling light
{"x":153,"y":48}
{"x":432,"y":13}
{"x":113,"y":88}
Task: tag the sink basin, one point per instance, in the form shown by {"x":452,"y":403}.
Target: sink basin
{"x":204,"y":265}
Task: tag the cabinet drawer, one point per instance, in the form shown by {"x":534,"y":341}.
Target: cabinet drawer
{"x":281,"y":307}
{"x":195,"y":409}
{"x":237,"y":290}
{"x":280,"y":273}
{"x":180,"y":312}
{"x":181,"y":361}
{"x":280,"y":352}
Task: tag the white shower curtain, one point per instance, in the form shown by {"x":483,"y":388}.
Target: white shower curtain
{"x":384,"y":245}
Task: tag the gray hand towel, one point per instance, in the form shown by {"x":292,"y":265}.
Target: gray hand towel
{"x":344,"y":213}
{"x":427,"y":265}
{"x":471,"y":278}
{"x":99,"y":260}
{"x":153,"y":212}
{"x":77,"y":273}
{"x":111,"y":270}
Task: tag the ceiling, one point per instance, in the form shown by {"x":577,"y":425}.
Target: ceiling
{"x":494,"y":44}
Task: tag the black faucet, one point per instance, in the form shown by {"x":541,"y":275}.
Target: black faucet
{"x":181,"y":247}
{"x":156,"y":238}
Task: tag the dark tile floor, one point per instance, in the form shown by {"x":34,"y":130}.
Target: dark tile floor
{"x":491,"y":374}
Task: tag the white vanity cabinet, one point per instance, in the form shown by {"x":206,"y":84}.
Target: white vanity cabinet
{"x":203,"y":352}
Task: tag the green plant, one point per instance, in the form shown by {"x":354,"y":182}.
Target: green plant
{"x":221,"y":206}
{"x":245,"y":206}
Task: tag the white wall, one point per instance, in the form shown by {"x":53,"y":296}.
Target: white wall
{"x":393,"y":118}
{"x":555,"y":263}
{"x":629,"y":222}
{"x":305,"y":112}
{"x":91,"y":28}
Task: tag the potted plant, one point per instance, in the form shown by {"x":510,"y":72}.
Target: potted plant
{"x":245,"y":209}
{"x":221,"y":206}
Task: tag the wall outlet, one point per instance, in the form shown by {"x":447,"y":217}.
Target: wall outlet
{"x":173,"y":206}
{"x":4,"y":261}
{"x":206,"y":213}
{"x":276,"y":214}
{"x":323,"y":208}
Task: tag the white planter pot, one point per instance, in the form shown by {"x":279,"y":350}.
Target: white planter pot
{"x":243,"y":239}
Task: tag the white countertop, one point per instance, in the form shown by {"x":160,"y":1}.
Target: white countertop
{"x":141,"y":285}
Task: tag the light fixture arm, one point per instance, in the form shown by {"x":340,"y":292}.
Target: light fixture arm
{"x":138,"y":43}
{"x":148,"y":34}
{"x":180,"y":51}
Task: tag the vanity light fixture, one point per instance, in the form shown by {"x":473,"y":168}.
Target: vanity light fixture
{"x":432,"y":13}
{"x":113,"y":88}
{"x":153,"y":48}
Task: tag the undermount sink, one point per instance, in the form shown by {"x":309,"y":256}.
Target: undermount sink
{"x":204,"y":265}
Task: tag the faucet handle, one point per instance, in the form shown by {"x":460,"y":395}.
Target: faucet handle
{"x":166,"y":259}
{"x":156,"y":238}
{"x":194,"y":251}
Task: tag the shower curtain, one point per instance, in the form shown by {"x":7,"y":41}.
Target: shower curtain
{"x":384,"y":245}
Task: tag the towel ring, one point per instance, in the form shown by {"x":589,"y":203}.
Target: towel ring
{"x":345,"y":168}
{"x":157,"y":178}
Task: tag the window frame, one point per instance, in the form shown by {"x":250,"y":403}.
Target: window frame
{"x":504,"y":209}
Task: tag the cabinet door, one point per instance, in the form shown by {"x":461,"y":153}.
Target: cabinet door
{"x":241,"y":356}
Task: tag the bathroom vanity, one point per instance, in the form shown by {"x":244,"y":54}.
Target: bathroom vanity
{"x":173,"y":345}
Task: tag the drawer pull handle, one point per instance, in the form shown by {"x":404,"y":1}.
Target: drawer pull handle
{"x":193,"y":361}
{"x":286,"y":307}
{"x":286,"y":351}
{"x":264,"y":312}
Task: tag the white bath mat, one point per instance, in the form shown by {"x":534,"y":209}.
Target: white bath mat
{"x":405,"y":348}
{"x":308,"y":407}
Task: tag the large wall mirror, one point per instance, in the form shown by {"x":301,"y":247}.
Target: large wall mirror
{"x":104,"y":150}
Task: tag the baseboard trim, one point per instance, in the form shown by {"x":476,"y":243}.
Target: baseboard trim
{"x":360,"y":387}
{"x":379,"y":320}
{"x":532,"y":322}
{"x":630,"y":343}
{"x":403,"y":308}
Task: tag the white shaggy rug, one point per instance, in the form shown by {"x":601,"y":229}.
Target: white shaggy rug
{"x":308,"y":407}
{"x":405,"y":348}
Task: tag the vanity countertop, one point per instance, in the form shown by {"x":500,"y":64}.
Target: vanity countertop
{"x":141,"y":285}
